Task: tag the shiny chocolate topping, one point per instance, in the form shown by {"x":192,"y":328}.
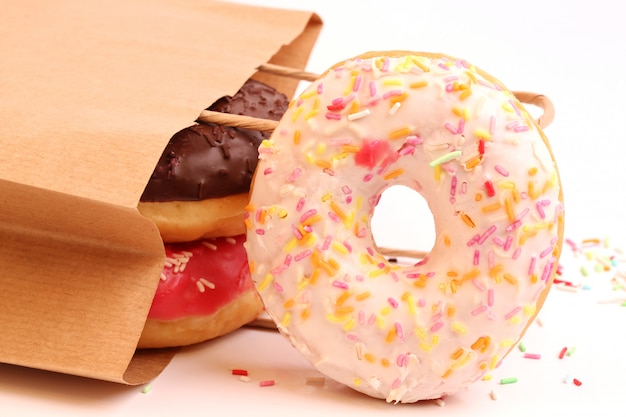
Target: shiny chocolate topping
{"x":209,"y":161}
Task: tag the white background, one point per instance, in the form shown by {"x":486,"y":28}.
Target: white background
{"x":574,"y":53}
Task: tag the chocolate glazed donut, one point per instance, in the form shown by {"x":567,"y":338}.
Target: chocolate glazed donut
{"x":210,"y":161}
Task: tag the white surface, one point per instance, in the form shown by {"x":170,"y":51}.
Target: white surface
{"x":199,"y":383}
{"x":574,"y":53}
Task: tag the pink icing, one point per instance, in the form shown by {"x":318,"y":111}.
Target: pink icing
{"x":201,"y":277}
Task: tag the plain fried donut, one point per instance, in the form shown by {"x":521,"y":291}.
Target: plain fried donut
{"x":463,"y":141}
{"x":185,"y":221}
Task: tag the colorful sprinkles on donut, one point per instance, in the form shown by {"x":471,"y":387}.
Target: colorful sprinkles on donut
{"x":464,"y":142}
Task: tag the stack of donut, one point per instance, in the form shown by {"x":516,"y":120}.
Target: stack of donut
{"x":196,"y":196}
{"x":461,"y":139}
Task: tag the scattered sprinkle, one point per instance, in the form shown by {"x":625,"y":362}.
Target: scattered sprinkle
{"x":146,"y":389}
{"x":267,"y":383}
{"x":243,"y":372}
{"x":566,"y":288}
{"x":506,"y":381}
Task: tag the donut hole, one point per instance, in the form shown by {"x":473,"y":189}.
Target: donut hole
{"x":402,"y":220}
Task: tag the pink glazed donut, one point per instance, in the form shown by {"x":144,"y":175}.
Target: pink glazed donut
{"x":463,"y":141}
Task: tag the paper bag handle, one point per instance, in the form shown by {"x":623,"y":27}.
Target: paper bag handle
{"x":207,"y":116}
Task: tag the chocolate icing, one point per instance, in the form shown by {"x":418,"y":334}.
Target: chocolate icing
{"x":209,"y":161}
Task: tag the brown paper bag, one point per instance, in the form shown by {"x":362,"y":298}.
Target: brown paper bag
{"x":91,"y":93}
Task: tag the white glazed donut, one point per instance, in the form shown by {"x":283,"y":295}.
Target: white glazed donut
{"x":463,"y":141}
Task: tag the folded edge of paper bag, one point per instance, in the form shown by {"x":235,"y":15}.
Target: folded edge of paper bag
{"x":77,"y":277}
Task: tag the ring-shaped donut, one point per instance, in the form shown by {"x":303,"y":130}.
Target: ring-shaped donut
{"x":463,"y":141}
